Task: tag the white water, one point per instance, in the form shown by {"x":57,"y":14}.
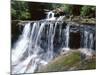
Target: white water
{"x":27,"y":53}
{"x":21,"y":45}
{"x":88,"y":43}
{"x":91,"y":38}
{"x":67,"y":37}
{"x":50,"y":16}
{"x":86,"y":39}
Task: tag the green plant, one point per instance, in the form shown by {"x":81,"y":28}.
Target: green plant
{"x":87,"y":10}
{"x":19,"y":10}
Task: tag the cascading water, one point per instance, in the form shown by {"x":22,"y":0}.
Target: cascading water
{"x":27,"y":53}
{"x":91,"y":41}
{"x":67,"y":31}
{"x":89,"y":38}
{"x":21,"y":45}
{"x":41,"y":40}
{"x":86,"y":39}
{"x":50,"y":16}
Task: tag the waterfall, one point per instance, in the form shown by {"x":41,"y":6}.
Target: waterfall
{"x":91,"y":38}
{"x":67,"y":37}
{"x":39,"y":42}
{"x":21,"y":45}
{"x":27,"y":53}
{"x":88,"y":40}
{"x":50,"y":16}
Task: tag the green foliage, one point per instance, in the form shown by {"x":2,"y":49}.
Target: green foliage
{"x":19,"y":10}
{"x":87,"y":10}
{"x":54,"y":6}
{"x":67,"y":8}
{"x":22,"y":10}
{"x":79,"y":10}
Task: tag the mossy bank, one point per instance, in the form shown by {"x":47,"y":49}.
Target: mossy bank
{"x":69,"y":62}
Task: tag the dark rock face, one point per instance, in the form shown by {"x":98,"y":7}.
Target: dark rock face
{"x":16,"y":30}
{"x":60,"y":14}
{"x":36,"y":11}
{"x":74,"y":41}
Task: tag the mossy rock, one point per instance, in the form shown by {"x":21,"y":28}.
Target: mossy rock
{"x":81,"y":20}
{"x":68,"y":62}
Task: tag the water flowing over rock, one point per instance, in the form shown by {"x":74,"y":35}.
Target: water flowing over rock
{"x":41,"y":41}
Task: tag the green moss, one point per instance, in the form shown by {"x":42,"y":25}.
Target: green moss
{"x":63,"y":62}
{"x":90,"y":64}
{"x":71,"y":61}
